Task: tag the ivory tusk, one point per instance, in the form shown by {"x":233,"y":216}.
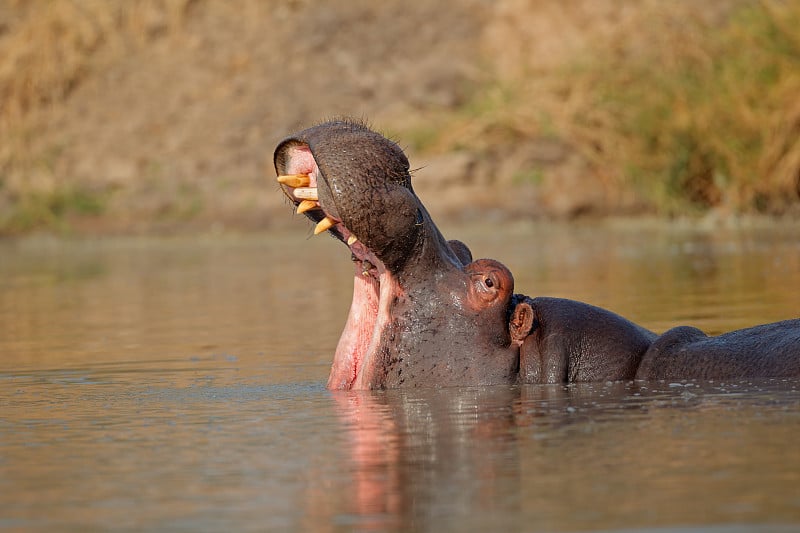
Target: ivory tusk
{"x":324,"y":225}
{"x":295,"y":180}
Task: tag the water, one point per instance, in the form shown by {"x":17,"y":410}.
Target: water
{"x":178,"y":385}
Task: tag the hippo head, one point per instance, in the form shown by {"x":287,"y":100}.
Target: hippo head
{"x":423,"y":314}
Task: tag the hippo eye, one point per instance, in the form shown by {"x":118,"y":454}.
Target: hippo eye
{"x":488,"y":282}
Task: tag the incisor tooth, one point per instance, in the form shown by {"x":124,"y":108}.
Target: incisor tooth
{"x":305,"y":205}
{"x":324,"y":225}
{"x":295,"y":180}
{"x":365,"y":267}
{"x":306,"y":193}
{"x":351,"y":240}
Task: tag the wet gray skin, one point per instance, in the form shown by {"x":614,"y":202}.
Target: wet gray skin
{"x":765,"y":351}
{"x":564,"y":341}
{"x":424,"y":314}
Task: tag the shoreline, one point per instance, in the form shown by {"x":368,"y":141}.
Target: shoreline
{"x":283,"y":221}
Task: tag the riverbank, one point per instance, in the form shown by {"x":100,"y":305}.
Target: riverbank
{"x":161,"y":115}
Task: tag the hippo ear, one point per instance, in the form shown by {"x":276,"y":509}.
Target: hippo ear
{"x":461,"y":250}
{"x":521,"y":322}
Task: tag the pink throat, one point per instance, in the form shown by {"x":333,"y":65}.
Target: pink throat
{"x":353,"y":363}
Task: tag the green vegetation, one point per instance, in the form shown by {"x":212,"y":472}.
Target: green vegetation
{"x":51,"y":210}
{"x":691,"y":112}
{"x":531,"y":176}
{"x":708,"y":118}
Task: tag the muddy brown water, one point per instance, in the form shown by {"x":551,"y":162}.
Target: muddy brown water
{"x":178,"y":385}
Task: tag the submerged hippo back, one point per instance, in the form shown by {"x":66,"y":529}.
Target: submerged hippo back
{"x":568,"y":341}
{"x":767,"y":351}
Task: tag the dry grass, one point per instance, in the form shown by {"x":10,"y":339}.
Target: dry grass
{"x":693,"y":109}
{"x":49,"y":46}
{"x":708,"y":114}
{"x":47,"y":49}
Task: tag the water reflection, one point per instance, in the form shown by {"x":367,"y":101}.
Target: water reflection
{"x":419,"y":458}
{"x":581,"y":456}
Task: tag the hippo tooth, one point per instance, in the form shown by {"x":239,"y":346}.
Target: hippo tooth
{"x":324,"y":225}
{"x":295,"y":180}
{"x":306,"y":193}
{"x":365,"y":267}
{"x":305,"y":205}
{"x":351,"y":240}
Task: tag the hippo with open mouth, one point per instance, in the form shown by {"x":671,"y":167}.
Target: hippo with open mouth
{"x":425,"y":314}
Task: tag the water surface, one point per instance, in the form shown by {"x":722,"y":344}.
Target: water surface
{"x":178,"y":384}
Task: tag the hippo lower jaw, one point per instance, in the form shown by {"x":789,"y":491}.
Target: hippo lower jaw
{"x":369,"y":316}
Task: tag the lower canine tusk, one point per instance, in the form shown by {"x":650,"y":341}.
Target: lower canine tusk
{"x":295,"y":180}
{"x":351,"y":240}
{"x":324,"y":225}
{"x":305,"y":205}
{"x":365,"y":268}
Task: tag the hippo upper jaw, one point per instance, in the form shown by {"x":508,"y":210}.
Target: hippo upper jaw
{"x":411,"y":321}
{"x":356,"y":184}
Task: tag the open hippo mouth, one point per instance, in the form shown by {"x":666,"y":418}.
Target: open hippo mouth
{"x":422,"y":313}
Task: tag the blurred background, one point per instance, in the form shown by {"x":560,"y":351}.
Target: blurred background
{"x":137,"y":116}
